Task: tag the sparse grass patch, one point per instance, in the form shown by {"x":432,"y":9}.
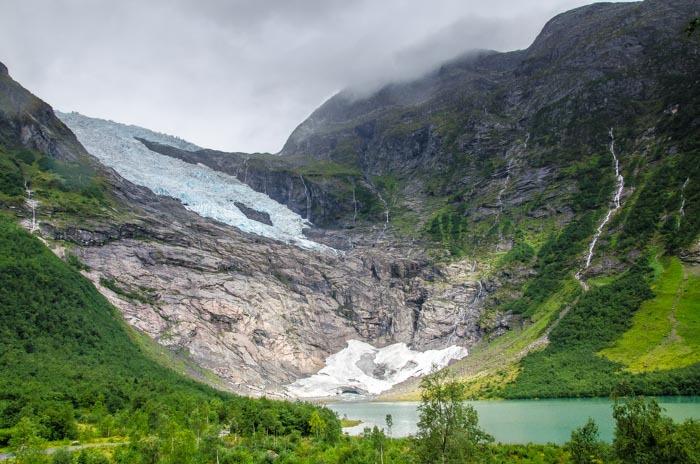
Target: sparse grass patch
{"x":665,"y":332}
{"x":349,"y":422}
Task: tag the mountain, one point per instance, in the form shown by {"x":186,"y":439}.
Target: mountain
{"x":538,"y":208}
{"x":258,"y":312}
{"x":242,"y":302}
{"x":26,"y":121}
{"x":70,"y":367}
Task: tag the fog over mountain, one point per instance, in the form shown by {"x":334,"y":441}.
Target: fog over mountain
{"x":240,"y":75}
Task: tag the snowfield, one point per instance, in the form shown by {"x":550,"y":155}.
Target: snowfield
{"x":361,"y":368}
{"x":201,"y":189}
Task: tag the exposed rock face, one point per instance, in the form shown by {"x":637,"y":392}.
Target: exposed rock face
{"x":250,"y":213}
{"x":26,"y":121}
{"x":257,"y":312}
{"x":454,"y":131}
{"x":261,"y":313}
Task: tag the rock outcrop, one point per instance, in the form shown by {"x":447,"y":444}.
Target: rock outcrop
{"x":26,"y":121}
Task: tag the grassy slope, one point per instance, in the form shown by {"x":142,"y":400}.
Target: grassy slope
{"x":62,"y":341}
{"x":665,"y":332}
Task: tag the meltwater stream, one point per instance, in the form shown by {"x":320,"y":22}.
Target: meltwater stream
{"x":201,"y":189}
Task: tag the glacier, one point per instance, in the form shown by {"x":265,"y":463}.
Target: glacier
{"x":201,"y":189}
{"x":363,"y":369}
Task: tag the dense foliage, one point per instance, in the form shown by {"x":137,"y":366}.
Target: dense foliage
{"x":570,"y":365}
{"x":63,"y":188}
{"x":643,"y":435}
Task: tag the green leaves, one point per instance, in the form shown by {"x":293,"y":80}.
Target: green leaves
{"x":644,"y":436}
{"x":448,"y":428}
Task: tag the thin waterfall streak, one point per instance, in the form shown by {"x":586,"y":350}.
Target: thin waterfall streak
{"x":354,"y":204}
{"x":681,"y":210}
{"x":386,"y":213}
{"x":32,"y":204}
{"x":616,"y":205}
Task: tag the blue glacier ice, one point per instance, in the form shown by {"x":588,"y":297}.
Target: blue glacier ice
{"x":201,"y":189}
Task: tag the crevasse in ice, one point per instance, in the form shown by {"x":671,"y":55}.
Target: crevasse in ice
{"x":362,"y":368}
{"x":201,"y":189}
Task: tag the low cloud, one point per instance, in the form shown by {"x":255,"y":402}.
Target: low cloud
{"x":240,"y":75}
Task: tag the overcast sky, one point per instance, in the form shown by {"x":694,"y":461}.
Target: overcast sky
{"x":240,"y":75}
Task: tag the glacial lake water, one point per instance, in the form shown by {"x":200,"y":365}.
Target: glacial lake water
{"x":514,"y":421}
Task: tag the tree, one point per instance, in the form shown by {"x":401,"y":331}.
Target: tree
{"x":644,"y":436}
{"x":59,"y":422}
{"x":585,"y":446}
{"x":389,"y":423}
{"x":377,"y":438}
{"x":26,"y":443}
{"x":89,"y":456}
{"x":448,"y":428}
{"x":199,"y":420}
{"x":317,"y":424}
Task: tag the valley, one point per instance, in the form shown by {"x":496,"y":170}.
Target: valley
{"x":518,"y":229}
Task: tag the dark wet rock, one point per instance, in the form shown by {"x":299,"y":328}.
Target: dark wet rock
{"x":255,"y":215}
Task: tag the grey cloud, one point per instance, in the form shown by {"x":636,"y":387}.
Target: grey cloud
{"x":240,"y":75}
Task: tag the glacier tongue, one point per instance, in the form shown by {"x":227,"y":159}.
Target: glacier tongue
{"x":201,"y":189}
{"x":362,"y":368}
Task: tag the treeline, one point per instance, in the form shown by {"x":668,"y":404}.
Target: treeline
{"x":448,"y":433}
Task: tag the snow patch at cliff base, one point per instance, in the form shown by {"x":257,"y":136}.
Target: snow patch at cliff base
{"x":363,"y":369}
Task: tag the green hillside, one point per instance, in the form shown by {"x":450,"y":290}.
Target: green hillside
{"x":62,"y":341}
{"x":665,"y":332}
{"x":71,"y":369}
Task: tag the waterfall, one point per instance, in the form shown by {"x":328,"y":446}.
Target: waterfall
{"x":611,"y":211}
{"x":386,"y":213}
{"x":354,"y":203}
{"x":506,"y":183}
{"x":681,"y":210}
{"x":499,"y":198}
{"x":32,"y":204}
{"x":245,"y":171}
{"x":308,"y":198}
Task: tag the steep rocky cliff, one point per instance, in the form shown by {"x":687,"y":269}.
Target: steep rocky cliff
{"x":27,"y":121}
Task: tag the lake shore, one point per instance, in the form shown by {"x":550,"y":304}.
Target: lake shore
{"x":513,"y":421}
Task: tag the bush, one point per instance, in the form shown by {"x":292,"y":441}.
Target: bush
{"x":644,"y":436}
{"x":61,"y":456}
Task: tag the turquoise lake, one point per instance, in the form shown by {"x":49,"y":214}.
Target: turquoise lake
{"x":515,"y":421}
